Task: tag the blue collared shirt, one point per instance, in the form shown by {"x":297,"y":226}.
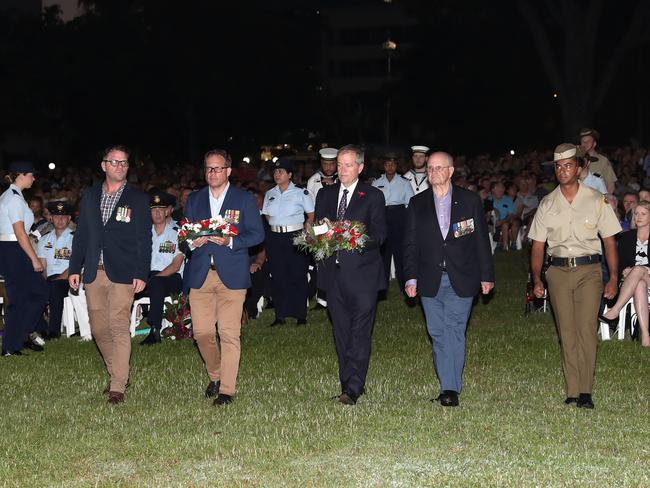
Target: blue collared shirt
{"x":287,"y":207}
{"x":164,"y":247}
{"x":56,"y":251}
{"x":397,"y":191}
{"x":14,"y":208}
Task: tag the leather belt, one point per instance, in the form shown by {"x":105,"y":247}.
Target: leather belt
{"x":573,"y":262}
{"x":286,"y":228}
{"x":394,"y":207}
{"x":100,"y":267}
{"x":8,"y":238}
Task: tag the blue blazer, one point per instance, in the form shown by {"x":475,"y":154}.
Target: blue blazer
{"x":233,"y":264}
{"x":364,"y":270}
{"x":467,"y":255}
{"x":126,"y":245}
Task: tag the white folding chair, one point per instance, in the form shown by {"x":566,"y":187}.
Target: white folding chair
{"x":627,"y":311}
{"x":136,"y":315}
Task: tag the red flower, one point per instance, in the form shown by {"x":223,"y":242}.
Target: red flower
{"x":361,"y":194}
{"x":205,"y":224}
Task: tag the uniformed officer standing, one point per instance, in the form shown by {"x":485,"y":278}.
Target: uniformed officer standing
{"x":166,"y":276}
{"x":54,"y":250}
{"x":21,"y":268}
{"x":285,"y":207}
{"x":601,"y":166}
{"x":417,"y":175}
{"x":326,"y":175}
{"x":397,"y":193}
{"x":570,"y":219}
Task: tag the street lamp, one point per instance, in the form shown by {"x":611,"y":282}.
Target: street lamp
{"x":389,"y":46}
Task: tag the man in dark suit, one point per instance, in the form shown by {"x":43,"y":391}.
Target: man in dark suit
{"x":447,"y":261}
{"x":218,"y":275}
{"x":352,"y":279}
{"x":113,"y":246}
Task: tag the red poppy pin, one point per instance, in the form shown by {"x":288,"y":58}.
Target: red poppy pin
{"x":361,"y":194}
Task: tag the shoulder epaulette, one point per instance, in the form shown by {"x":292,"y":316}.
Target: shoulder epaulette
{"x":597,"y":175}
{"x":16,"y":192}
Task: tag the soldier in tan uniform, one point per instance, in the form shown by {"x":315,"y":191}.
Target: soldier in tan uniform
{"x":600,"y":166}
{"x":570,"y":218}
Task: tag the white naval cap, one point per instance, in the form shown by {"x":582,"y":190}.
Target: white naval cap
{"x":419,"y":149}
{"x":328,"y":153}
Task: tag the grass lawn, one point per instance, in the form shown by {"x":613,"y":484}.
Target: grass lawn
{"x":512,"y":428}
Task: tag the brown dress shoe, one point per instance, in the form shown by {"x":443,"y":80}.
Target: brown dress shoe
{"x":115,"y":397}
{"x":108,"y":387}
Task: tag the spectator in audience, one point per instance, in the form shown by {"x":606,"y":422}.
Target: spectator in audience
{"x":587,"y":177}
{"x":166,"y":275}
{"x":589,"y":139}
{"x":41,"y":222}
{"x":629,"y":202}
{"x":506,"y":222}
{"x":527,"y":200}
{"x":633,"y":261}
{"x":54,"y":250}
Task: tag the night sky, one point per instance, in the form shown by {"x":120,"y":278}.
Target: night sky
{"x":174,"y":78}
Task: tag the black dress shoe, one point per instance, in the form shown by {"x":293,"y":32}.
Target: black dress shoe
{"x":585,"y":401}
{"x":30,"y":344}
{"x":222,"y":399}
{"x":152,"y":338}
{"x":570,"y":400}
{"x":11,"y":353}
{"x":613,"y":323}
{"x":278,"y":322}
{"x":301,"y":322}
{"x":347,"y":398}
{"x":213,"y":389}
{"x":448,"y":398}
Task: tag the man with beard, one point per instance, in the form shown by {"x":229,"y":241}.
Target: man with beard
{"x":417,"y":175}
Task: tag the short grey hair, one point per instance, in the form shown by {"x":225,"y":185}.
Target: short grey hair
{"x":358,"y":152}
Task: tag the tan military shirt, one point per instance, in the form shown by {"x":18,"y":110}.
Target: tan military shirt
{"x":572,"y":229}
{"x":604,"y":168}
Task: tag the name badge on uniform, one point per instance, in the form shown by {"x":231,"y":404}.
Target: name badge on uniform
{"x":167,"y":247}
{"x":232,"y":216}
{"x":63,"y":253}
{"x":123,"y":214}
{"x":463,"y":228}
{"x":49,"y":245}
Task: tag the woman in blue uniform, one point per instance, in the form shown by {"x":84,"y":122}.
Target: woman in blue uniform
{"x":21,"y":268}
{"x":285,"y":207}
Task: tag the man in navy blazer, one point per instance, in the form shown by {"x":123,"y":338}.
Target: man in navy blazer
{"x":447,"y":261}
{"x":217,"y":273}
{"x":352,"y":279}
{"x":113,"y":246}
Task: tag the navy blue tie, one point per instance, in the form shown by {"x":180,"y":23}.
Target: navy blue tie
{"x":343,"y":205}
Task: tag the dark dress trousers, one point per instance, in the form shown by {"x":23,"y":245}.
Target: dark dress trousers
{"x":353,"y":283}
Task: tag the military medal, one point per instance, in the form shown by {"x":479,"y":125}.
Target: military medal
{"x":123,"y":214}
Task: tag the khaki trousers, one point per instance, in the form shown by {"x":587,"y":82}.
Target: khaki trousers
{"x":212,"y":304}
{"x":575,"y":295}
{"x":109,"y":309}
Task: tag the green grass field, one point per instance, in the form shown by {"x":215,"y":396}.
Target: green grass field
{"x":512,"y":428}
